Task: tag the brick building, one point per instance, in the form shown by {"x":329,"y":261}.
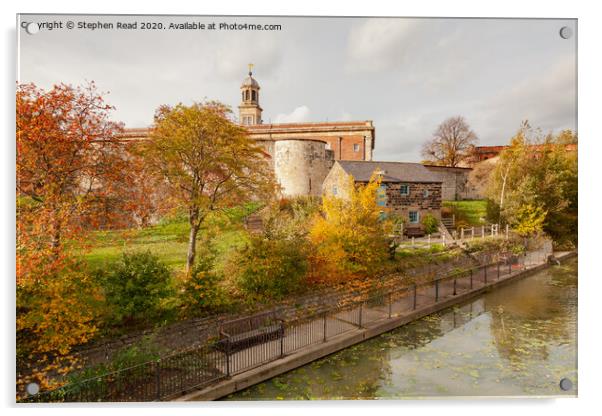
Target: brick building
{"x":482,"y":153}
{"x":407,"y":189}
{"x":301,"y":153}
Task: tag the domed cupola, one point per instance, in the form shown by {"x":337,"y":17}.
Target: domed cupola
{"x":249,"y":109}
{"x":250,"y":83}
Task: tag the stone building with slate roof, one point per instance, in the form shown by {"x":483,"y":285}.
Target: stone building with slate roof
{"x":409,"y":190}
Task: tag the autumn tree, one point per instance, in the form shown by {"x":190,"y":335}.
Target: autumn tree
{"x":452,"y":143}
{"x":349,"y":238}
{"x":69,"y":161}
{"x":207,"y":161}
{"x":69,"y":164}
{"x":534,"y":183}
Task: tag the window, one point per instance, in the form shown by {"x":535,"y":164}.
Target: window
{"x":243,"y":95}
{"x":426,"y":193}
{"x":404,"y":189}
{"x":254,"y":95}
{"x":356,"y":147}
{"x":414,"y":217}
{"x":381,"y":196}
{"x":334,"y":189}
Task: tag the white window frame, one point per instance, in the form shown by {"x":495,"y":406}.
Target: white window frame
{"x":417,"y":217}
{"x":426,"y":193}
{"x":401,"y":189}
{"x":334,"y":189}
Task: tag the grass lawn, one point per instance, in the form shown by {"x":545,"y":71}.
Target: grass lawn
{"x":168,"y":240}
{"x":469,"y":211}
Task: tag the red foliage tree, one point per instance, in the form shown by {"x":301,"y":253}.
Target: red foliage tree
{"x":74,"y":174}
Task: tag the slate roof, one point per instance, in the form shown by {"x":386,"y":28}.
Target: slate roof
{"x":393,"y":171}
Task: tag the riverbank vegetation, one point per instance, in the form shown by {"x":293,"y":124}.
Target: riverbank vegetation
{"x":534,"y":188}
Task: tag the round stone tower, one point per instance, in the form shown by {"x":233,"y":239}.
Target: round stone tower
{"x":301,"y":165}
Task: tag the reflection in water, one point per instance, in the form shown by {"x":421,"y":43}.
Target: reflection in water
{"x":517,"y":340}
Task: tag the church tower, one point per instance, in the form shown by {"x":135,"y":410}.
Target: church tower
{"x":249,"y":111}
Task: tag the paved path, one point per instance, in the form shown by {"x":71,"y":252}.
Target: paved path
{"x":304,"y":342}
{"x":302,"y":334}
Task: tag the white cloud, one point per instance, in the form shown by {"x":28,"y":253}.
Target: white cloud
{"x":299,"y":114}
{"x":407,"y":75}
{"x":546,"y":100}
{"x":421,"y":52}
{"x":379,"y":43}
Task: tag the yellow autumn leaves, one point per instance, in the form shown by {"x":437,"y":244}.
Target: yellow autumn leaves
{"x":348,"y":239}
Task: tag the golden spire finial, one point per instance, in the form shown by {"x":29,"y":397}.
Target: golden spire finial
{"x":250,"y":69}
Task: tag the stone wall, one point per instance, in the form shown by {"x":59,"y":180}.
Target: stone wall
{"x":417,"y":200}
{"x":337,"y":179}
{"x":396,"y":202}
{"x":300,"y":166}
{"x":455,"y":183}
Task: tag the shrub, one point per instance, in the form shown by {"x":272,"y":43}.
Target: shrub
{"x":141,"y":352}
{"x":395,"y":223}
{"x":136,"y":287}
{"x":529,"y":220}
{"x":289,"y":219}
{"x":349,"y":239}
{"x":431,"y":224}
{"x":56,"y":312}
{"x":269,"y":268}
{"x":462,"y":224}
{"x":493,"y":211}
{"x":201,"y":289}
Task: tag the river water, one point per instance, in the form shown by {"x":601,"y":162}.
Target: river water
{"x":519,"y":340}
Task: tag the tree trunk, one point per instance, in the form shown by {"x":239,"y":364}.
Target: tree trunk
{"x":194,"y":230}
{"x":55,"y":239}
{"x":504,"y":177}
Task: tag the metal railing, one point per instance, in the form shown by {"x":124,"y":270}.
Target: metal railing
{"x":250,"y":342}
{"x":481,"y":231}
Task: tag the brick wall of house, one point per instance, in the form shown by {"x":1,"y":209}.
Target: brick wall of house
{"x":416,"y":201}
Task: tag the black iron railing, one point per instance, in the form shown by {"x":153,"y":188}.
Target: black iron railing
{"x":252,"y":341}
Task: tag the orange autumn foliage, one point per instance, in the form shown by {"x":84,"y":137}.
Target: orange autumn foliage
{"x":73,"y":175}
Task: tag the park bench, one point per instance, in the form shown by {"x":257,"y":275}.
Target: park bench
{"x":414,"y":232}
{"x":247,"y":332}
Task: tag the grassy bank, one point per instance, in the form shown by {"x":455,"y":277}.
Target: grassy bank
{"x":472,"y":212}
{"x":169,"y":239}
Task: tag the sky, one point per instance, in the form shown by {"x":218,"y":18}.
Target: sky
{"x":407,"y":75}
